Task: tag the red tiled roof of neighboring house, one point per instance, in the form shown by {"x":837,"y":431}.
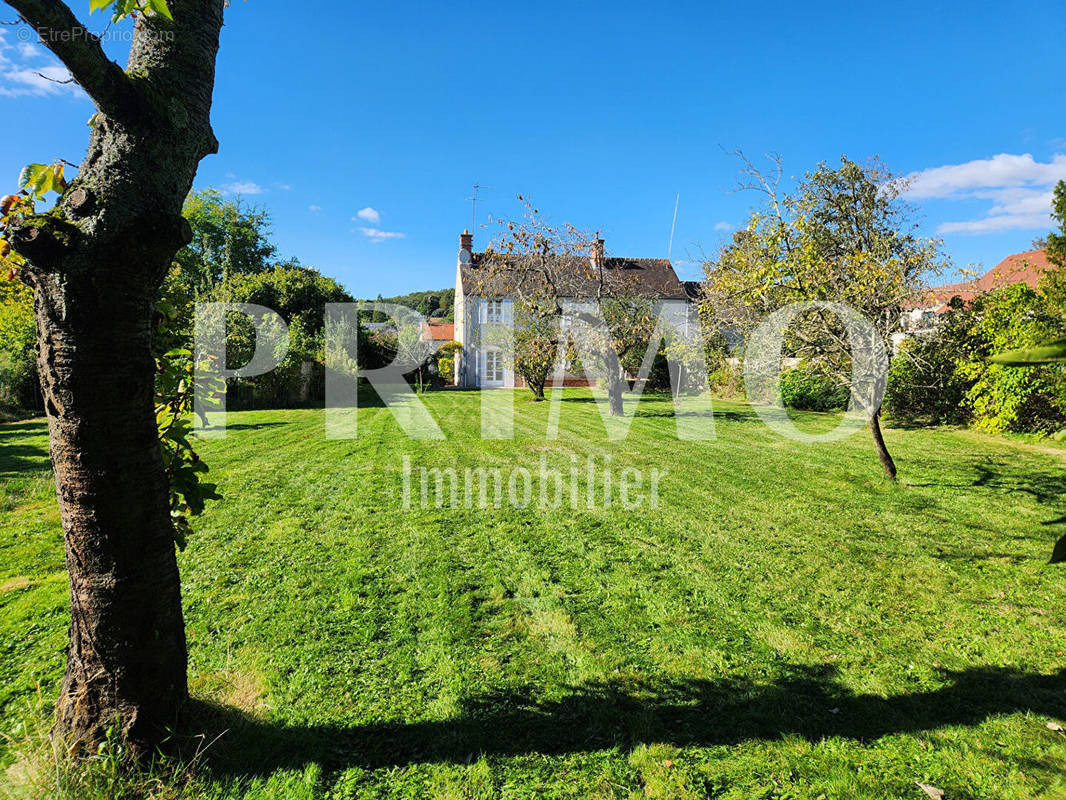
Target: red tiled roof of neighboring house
{"x":439,"y":331}
{"x":1027,"y":267}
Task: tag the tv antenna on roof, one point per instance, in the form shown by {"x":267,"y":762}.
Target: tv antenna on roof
{"x":473,"y":206}
{"x":670,"y":247}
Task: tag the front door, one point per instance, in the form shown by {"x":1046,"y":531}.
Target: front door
{"x":492,"y":367}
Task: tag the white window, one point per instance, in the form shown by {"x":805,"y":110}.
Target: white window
{"x":493,"y":366}
{"x":494,"y":311}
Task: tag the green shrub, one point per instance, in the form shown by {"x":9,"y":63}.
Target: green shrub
{"x":1000,"y":398}
{"x":727,"y":381}
{"x":18,"y":354}
{"x":299,"y":295}
{"x":923,"y":384}
{"x":446,"y":369}
{"x":806,"y":389}
{"x":659,"y":374}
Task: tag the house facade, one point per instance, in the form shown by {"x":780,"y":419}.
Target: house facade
{"x":484,"y":300}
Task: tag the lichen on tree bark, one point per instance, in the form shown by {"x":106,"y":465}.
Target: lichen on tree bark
{"x":95,"y":263}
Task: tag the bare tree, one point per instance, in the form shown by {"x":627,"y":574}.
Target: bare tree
{"x":541,"y":265}
{"x":534,"y":263}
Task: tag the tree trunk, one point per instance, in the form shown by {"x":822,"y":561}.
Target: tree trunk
{"x":615,"y":387}
{"x":126,"y":656}
{"x":95,"y":263}
{"x":882,"y":451}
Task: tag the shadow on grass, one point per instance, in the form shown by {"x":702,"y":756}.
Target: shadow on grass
{"x":661,"y":405}
{"x":16,"y":457}
{"x":1047,"y":487}
{"x":252,"y":426}
{"x":807,"y":703}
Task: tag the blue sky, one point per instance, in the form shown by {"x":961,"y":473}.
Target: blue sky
{"x":602,"y":113}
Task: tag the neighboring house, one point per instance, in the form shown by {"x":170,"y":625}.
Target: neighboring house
{"x":1027,"y":267}
{"x":485,"y":296}
{"x":920,"y":318}
{"x":439,"y":333}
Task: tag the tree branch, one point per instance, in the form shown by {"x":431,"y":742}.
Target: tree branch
{"x":80,"y":51}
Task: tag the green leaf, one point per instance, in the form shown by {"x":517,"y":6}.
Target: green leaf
{"x":40,"y":179}
{"x":42,"y":183}
{"x":1042,"y":354}
{"x":30,"y":174}
{"x":99,"y":5}
{"x":160,"y":7}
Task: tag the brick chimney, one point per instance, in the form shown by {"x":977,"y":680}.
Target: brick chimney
{"x":598,"y":252}
{"x":466,"y":241}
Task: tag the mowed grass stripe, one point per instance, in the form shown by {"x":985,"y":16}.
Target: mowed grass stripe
{"x":377,"y":649}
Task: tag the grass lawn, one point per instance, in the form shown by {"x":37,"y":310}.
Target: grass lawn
{"x":785,"y":624}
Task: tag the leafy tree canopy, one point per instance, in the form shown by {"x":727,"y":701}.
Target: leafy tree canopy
{"x":291,"y":289}
{"x":844,"y":236}
{"x":1056,"y":242}
{"x":430,"y":303}
{"x":228,"y":239}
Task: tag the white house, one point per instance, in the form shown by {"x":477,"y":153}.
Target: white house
{"x":483,"y":297}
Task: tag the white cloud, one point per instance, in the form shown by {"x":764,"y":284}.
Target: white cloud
{"x":380,"y":236}
{"x":314,"y":209}
{"x":1017,"y":186}
{"x":29,"y":52}
{"x":723,"y":226}
{"x":1001,"y":171}
{"x":1018,"y":200}
{"x":242,"y":187}
{"x":996,"y":224}
{"x":368,"y":214}
{"x":26,"y":69}
{"x":284,"y":187}
{"x":42,"y":81}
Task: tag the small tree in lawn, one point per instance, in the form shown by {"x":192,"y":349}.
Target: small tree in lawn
{"x":539,"y":264}
{"x":414,"y":353}
{"x":621,"y":341}
{"x":844,"y":236}
{"x":687,"y":355}
{"x":533,"y":262}
{"x":536,"y":341}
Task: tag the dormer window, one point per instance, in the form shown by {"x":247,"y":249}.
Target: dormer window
{"x":494,"y":311}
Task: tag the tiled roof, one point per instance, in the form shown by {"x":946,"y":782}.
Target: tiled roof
{"x":439,"y":331}
{"x":577,"y":278}
{"x":1027,"y":267}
